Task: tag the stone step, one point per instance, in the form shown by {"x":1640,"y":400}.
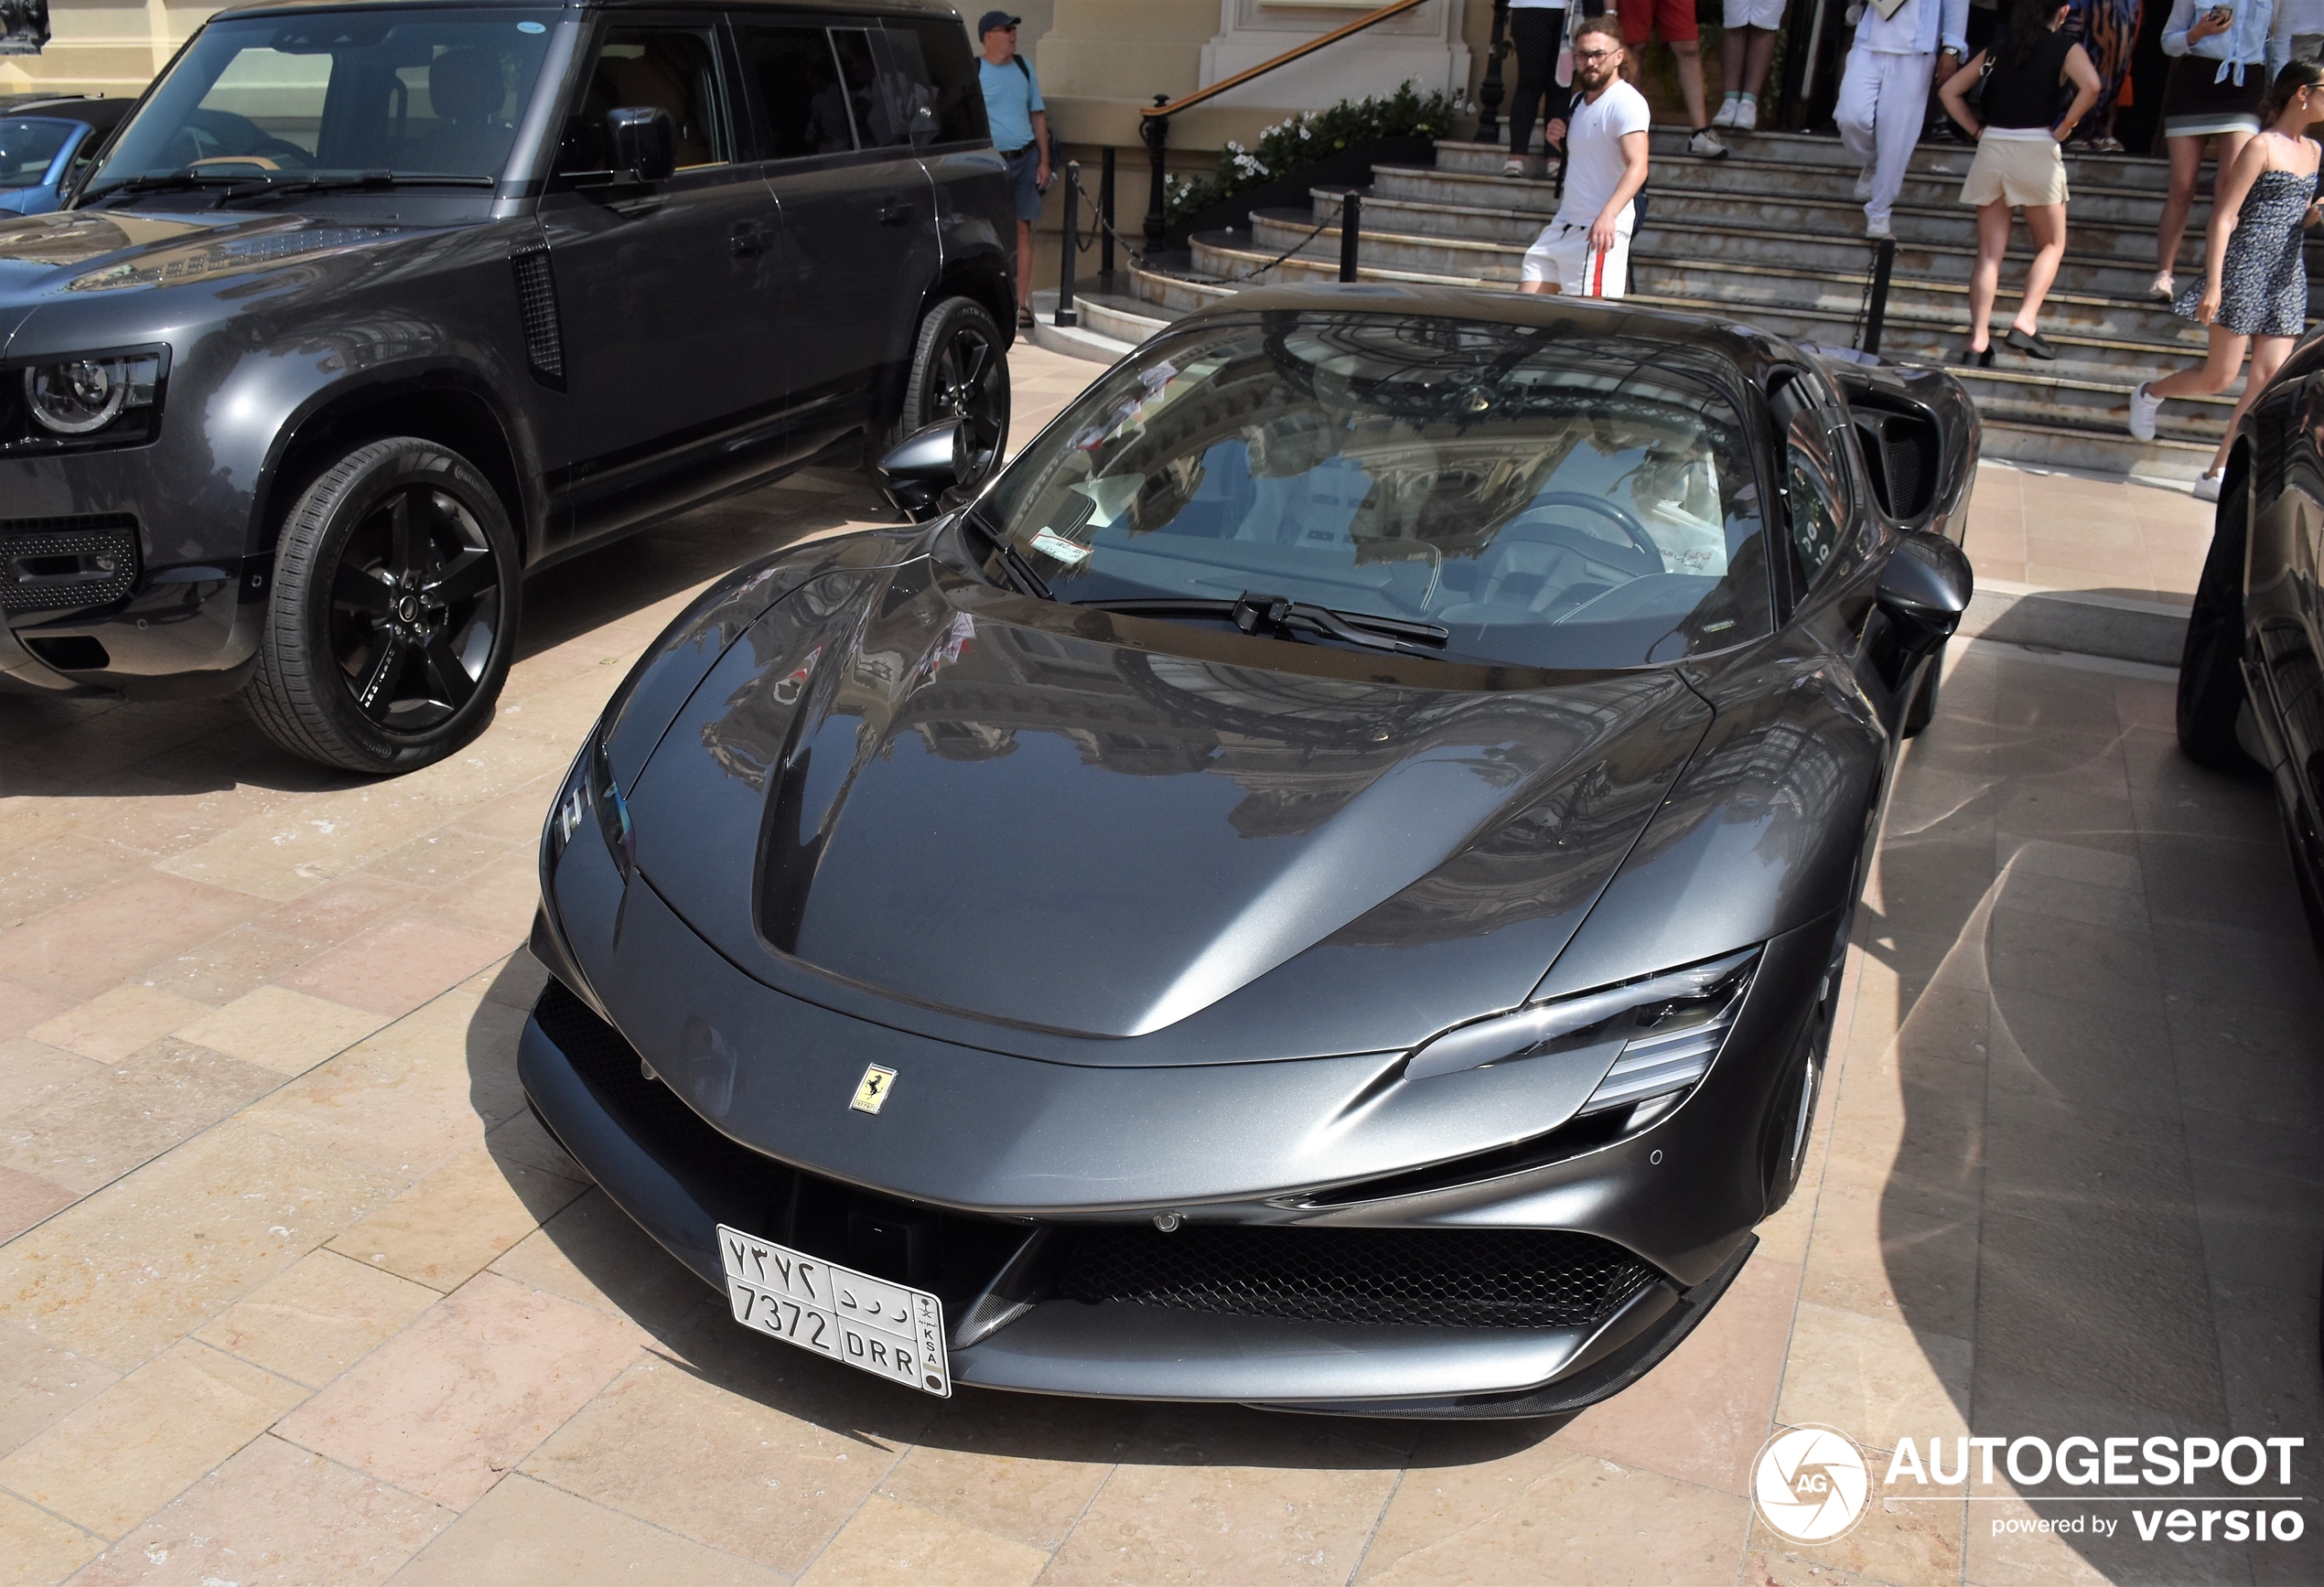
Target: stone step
{"x":1826,"y":152}
{"x":1668,"y":235}
{"x":1937,"y":190}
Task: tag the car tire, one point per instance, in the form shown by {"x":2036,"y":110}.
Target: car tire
{"x":960,"y":370}
{"x":1792,"y":1119}
{"x":2212,"y":692}
{"x":1923,"y":709}
{"x":394,"y":612}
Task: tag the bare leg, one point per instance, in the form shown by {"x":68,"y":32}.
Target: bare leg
{"x":2268,"y":353}
{"x":1733,"y":47}
{"x":2048,"y":224}
{"x":1548,"y":287}
{"x":2212,"y":376}
{"x":1762,"y":52}
{"x":1985,"y":277}
{"x":1024,"y":264}
{"x":1690,"y":80}
{"x":2186,"y":164}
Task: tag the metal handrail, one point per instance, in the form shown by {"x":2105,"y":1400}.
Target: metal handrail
{"x":1171,"y":107}
{"x":1154,"y":123}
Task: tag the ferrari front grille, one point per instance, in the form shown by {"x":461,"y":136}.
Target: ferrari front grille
{"x":1450,"y":1277}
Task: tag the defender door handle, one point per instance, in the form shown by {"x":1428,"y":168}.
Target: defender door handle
{"x":747,"y":239}
{"x":895,"y":212}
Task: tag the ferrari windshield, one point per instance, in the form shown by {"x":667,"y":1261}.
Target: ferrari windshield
{"x":1543,"y":496}
{"x":415,"y":93}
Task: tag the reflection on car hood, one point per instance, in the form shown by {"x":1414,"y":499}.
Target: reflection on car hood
{"x":116,"y":249}
{"x":1027,"y":825}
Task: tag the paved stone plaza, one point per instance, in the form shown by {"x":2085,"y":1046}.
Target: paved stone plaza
{"x":293,"y":1290}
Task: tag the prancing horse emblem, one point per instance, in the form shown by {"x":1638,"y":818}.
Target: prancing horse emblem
{"x":871,"y":1091}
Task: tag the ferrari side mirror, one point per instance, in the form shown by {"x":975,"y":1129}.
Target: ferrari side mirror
{"x":644,"y":140}
{"x":1924,"y":590}
{"x":918,"y":471}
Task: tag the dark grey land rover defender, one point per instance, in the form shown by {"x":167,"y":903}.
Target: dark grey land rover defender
{"x":370,"y":308}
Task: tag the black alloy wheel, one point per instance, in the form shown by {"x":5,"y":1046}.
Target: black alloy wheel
{"x":395,"y":610}
{"x":960,"y":370}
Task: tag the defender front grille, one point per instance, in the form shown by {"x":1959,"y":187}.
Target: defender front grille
{"x":1455,"y":1278}
{"x":54,"y":564}
{"x":536,"y":297}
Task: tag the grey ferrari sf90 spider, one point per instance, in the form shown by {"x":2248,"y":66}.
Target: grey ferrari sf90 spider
{"x":1322,"y":884}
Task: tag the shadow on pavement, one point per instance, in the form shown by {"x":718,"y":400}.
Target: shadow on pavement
{"x":2092,"y":1122}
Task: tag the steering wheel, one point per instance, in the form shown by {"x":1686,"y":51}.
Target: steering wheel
{"x":1624,"y":519}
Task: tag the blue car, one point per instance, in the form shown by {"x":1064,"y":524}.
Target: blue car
{"x":43,"y":139}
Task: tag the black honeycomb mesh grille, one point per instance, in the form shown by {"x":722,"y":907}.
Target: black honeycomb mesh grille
{"x":536,"y":296}
{"x":49,"y":564}
{"x":1459,"y":1278}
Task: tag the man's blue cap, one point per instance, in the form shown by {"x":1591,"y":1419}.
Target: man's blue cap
{"x":992,"y":19}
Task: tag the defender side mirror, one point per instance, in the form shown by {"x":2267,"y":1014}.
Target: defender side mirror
{"x":1924,"y":590}
{"x":644,"y":140}
{"x":918,"y":470}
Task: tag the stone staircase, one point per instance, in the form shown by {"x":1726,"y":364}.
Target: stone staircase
{"x":1773,"y":235}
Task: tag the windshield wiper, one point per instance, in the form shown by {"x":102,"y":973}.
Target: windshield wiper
{"x":1020,"y":572}
{"x":173,"y":181}
{"x":1258,"y":614}
{"x":273,"y":186}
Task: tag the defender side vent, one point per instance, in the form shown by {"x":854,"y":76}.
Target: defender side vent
{"x":536,"y":296}
{"x":54,"y":564}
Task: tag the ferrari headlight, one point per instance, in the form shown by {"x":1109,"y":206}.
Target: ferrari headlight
{"x":591,"y":797}
{"x":83,"y":396}
{"x":1657,"y":1036}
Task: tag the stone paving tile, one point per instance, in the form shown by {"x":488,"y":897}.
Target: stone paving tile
{"x":466,"y":1392}
{"x":148,"y":1437}
{"x":526,"y":1534}
{"x":129,"y":1112}
{"x":444,"y":1230}
{"x":273,"y":1513}
{"x":280,"y":1029}
{"x":1022,"y":1465}
{"x":38,"y":1547}
{"x":90,"y":945}
{"x":25,"y":1199}
{"x":316,"y":1318}
{"x":41,"y":1381}
{"x":113,"y":1025}
{"x":888,"y":1541}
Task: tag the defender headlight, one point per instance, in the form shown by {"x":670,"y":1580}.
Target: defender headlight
{"x":591,"y":797}
{"x":1656,"y":1035}
{"x":83,"y":396}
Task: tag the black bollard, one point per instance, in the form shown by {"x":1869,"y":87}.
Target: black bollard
{"x":1065,"y":315}
{"x":1351,"y":232}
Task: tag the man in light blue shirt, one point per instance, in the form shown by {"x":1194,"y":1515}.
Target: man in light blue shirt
{"x":1020,"y":125}
{"x":1884,"y":94}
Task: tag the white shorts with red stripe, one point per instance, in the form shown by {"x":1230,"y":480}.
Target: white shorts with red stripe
{"x":1563,"y":253}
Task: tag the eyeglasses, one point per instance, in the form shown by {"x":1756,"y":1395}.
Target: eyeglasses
{"x":1591,"y":56}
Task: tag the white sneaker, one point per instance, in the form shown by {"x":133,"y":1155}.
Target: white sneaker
{"x":2163,"y":286}
{"x":1706,"y":145}
{"x":1730,"y":108}
{"x":1747,"y":115}
{"x":2142,"y":409}
{"x":2207,"y":488}
{"x":1877,"y":232}
{"x":1513,"y":167}
{"x":1864,"y":182}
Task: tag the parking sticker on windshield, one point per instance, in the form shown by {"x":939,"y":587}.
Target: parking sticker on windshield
{"x":1055,"y":544}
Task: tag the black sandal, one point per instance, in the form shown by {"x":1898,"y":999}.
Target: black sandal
{"x":1023,"y":319}
{"x":1975,"y":358}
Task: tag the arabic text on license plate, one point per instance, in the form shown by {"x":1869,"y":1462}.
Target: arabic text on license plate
{"x":888,"y":1329}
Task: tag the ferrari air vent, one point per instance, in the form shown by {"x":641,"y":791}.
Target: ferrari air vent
{"x":536,"y":296}
{"x":1456,"y":1278}
{"x":54,"y":564}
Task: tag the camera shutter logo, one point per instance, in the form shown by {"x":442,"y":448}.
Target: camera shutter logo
{"x":1810,"y":1484}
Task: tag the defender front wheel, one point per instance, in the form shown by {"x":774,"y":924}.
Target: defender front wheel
{"x":394,"y":612}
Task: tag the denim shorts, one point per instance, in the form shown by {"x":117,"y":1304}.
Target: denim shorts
{"x":1023,"y":165}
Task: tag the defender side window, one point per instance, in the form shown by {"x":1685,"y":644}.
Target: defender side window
{"x":933,"y":54}
{"x":803,"y":106}
{"x":669,"y":69}
{"x":887,"y":105}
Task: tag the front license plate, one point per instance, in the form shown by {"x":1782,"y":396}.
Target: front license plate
{"x":891,"y":1330}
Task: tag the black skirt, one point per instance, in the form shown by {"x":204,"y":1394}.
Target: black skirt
{"x":2195,"y":106}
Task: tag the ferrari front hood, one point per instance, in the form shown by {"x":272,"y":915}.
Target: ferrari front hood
{"x":1051,"y":829}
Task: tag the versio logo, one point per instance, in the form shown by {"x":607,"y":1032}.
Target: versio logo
{"x":1810,"y":1484}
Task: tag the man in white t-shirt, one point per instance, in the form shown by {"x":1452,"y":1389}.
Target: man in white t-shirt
{"x":1586,"y":251}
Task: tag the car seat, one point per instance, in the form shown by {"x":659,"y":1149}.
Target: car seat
{"x":466,"y":87}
